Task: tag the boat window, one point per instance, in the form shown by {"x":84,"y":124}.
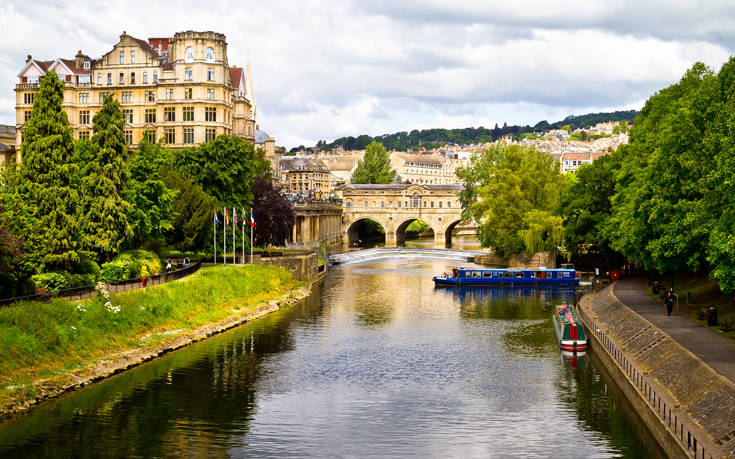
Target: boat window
{"x":519,"y":274}
{"x":487,"y":274}
{"x":476,"y":273}
{"x":550,"y":274}
{"x":533,"y":275}
{"x":540,"y":275}
{"x":565,"y":274}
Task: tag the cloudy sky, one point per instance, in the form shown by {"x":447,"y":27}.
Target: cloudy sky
{"x":325,"y":69}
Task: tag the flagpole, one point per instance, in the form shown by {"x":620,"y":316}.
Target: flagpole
{"x":252,"y":230}
{"x":214,"y":224}
{"x":224,"y":237}
{"x":242,"y":239}
{"x":234,"y":222}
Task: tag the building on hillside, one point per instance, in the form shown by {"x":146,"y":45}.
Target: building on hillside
{"x":7,"y":144}
{"x":307,"y":177}
{"x":268,"y":144}
{"x":341,"y":167}
{"x":180,"y":90}
{"x":424,"y":169}
{"x":570,"y":162}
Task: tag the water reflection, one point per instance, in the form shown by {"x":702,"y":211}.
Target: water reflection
{"x":377,"y":362}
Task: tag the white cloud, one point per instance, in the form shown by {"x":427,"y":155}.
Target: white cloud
{"x":326,"y":69}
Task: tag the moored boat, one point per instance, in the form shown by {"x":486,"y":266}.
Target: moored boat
{"x":568,"y":329}
{"x":512,"y":276}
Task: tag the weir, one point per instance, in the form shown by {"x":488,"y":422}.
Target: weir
{"x":403,"y":252}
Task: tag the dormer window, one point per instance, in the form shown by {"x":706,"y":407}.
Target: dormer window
{"x":189,"y":54}
{"x":86,"y":65}
{"x":209,"y":55}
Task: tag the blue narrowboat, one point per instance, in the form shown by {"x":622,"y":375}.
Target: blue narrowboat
{"x":510,"y":277}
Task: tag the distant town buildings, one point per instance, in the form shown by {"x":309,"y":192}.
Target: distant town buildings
{"x":179,"y":91}
{"x":7,"y":144}
{"x":307,"y":177}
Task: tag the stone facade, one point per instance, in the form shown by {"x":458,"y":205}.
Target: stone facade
{"x":179,"y":90}
{"x":316,"y":224}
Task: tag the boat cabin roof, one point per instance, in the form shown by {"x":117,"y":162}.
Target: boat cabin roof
{"x":515,"y":269}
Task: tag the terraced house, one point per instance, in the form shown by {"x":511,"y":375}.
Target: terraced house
{"x":179,"y":91}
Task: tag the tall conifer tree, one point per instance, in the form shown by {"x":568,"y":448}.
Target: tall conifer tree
{"x":105,"y":211}
{"x":47,"y":173}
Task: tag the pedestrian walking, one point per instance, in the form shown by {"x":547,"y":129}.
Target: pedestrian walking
{"x":669,"y":301}
{"x":168,"y":265}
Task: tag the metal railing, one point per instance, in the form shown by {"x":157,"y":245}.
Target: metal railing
{"x":669,"y":419}
{"x":80,"y":293}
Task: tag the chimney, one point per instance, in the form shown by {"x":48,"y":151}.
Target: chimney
{"x":79,"y":59}
{"x":28,"y":58}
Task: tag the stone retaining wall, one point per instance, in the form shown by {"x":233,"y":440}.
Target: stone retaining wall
{"x":545,"y":259}
{"x":688,"y":406}
{"x":303,"y":267}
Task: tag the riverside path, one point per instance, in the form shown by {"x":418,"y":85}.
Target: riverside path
{"x":715,"y":350}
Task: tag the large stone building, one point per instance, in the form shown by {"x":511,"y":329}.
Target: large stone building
{"x":306,"y":177}
{"x":179,"y":90}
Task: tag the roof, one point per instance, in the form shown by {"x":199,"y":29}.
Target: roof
{"x":145,"y":45}
{"x":72,"y":65}
{"x":426,"y":159}
{"x":235,"y":76}
{"x":302,"y":163}
{"x":260,"y":136}
{"x":401,"y":186}
{"x":341,"y":163}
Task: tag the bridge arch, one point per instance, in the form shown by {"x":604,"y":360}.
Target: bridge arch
{"x":448,"y":231}
{"x":401,"y":227}
{"x":353,"y":237}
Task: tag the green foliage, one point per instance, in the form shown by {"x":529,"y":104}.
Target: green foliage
{"x":418,"y":226}
{"x":151,"y":200}
{"x":193,"y":212}
{"x":105,"y":221}
{"x":224,"y":168}
{"x":513,"y":192}
{"x":50,"y":282}
{"x":620,"y":128}
{"x":375,"y":166}
{"x":45,"y":196}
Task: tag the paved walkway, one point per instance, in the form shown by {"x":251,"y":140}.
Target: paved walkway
{"x":710,"y":346}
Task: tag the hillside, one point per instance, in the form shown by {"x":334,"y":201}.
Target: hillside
{"x":431,"y":138}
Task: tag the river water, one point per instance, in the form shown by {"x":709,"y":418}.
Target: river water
{"x":377,"y":362}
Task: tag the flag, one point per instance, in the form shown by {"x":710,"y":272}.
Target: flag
{"x":243,"y":216}
{"x":216,"y":221}
{"x":227,"y":218}
{"x":252,"y":220}
{"x":234,"y":216}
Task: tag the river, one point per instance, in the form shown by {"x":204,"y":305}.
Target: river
{"x":376,"y":362}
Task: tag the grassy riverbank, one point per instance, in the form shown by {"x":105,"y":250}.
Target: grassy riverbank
{"x":40,"y":340}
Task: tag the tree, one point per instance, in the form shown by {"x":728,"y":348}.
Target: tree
{"x":512,"y":192}
{"x":375,"y":167}
{"x":191,"y":228}
{"x":151,"y":200}
{"x":46,"y":196}
{"x":273,"y":214}
{"x":225,"y":169}
{"x":105,"y":211}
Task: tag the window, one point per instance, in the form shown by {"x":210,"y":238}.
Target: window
{"x":399,"y":204}
{"x":210,"y":114}
{"x":170,"y":93}
{"x":26,"y":115}
{"x":187,"y":74}
{"x":150,"y":115}
{"x":208,"y":135}
{"x":449,"y":204}
{"x":132,"y":57}
{"x":155,"y":77}
{"x":440,"y":204}
{"x":188,"y":113}
{"x":84,"y":117}
{"x":86,"y":65}
{"x":122,"y":78}
{"x":84,"y":135}
{"x":109,"y":78}
{"x":187,"y":93}
{"x":129,"y":137}
{"x":145,"y":77}
{"x":150,"y":135}
{"x":102,"y":96}
{"x":132,"y":78}
{"x":189,"y":54}
{"x":127,"y":96}
{"x":209,"y":55}
{"x":432,"y":204}
{"x":128,"y":115}
{"x":169,"y":114}
{"x":99,"y":78}
{"x":188,"y":135}
{"x":150,"y":96}
{"x":83,"y":97}
{"x":210,"y":94}
{"x":122,"y":56}
{"x":170,"y":134}
{"x":416,"y":202}
{"x":28,"y":98}
{"x":210,"y":74}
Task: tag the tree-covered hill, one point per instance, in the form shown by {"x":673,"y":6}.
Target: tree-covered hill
{"x":431,"y":138}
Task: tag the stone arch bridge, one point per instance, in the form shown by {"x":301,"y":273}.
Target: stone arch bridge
{"x":395,"y":206}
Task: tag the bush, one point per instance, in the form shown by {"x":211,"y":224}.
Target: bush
{"x":51,"y":282}
{"x":129,"y":265}
{"x":115,"y":270}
